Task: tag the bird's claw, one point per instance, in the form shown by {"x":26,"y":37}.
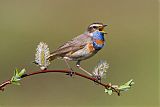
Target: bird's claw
{"x":71,"y":73}
{"x":97,"y":78}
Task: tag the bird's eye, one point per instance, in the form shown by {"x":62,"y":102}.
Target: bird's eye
{"x":95,"y":27}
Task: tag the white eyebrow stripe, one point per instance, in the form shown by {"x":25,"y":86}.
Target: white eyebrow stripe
{"x":95,"y":25}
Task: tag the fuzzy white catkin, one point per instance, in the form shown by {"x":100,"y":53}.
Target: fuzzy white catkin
{"x":42,"y":54}
{"x":100,"y":69}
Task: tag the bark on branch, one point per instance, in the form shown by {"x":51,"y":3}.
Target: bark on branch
{"x":107,"y":86}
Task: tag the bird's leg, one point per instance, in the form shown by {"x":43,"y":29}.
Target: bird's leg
{"x":71,"y":71}
{"x":78,"y":65}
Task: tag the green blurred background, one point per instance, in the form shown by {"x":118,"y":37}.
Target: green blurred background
{"x":131,"y":50}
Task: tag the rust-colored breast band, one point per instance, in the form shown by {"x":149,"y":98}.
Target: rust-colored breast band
{"x":99,"y":42}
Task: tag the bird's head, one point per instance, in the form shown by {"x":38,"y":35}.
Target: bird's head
{"x":96,"y":27}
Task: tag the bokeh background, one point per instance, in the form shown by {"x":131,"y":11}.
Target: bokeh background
{"x":131,"y":50}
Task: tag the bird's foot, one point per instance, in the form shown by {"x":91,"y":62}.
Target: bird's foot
{"x":71,"y":73}
{"x":97,"y":78}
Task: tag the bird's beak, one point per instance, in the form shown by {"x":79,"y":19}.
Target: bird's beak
{"x":101,"y":29}
{"x":105,"y":25}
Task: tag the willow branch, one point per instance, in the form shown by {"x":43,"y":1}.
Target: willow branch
{"x":4,"y":84}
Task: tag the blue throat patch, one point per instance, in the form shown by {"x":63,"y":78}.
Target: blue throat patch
{"x":98,"y":36}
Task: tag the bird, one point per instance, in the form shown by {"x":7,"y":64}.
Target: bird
{"x":81,"y":47}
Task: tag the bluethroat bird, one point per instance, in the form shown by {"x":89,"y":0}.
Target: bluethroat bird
{"x":81,"y":47}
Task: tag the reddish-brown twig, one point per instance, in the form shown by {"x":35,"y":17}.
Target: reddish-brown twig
{"x":4,"y":84}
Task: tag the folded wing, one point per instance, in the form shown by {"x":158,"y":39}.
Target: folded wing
{"x":72,"y":46}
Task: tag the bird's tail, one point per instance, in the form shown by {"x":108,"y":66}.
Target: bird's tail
{"x":52,"y":56}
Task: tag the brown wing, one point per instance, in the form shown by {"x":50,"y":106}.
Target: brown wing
{"x":73,"y":45}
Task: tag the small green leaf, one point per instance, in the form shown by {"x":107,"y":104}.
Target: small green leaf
{"x":129,"y":83}
{"x":106,"y":90}
{"x":109,"y":91}
{"x":21,"y":72}
{"x":15,"y":79}
{"x":16,"y":72}
{"x":123,"y":88}
{"x":17,"y":76}
{"x":126,"y":86}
